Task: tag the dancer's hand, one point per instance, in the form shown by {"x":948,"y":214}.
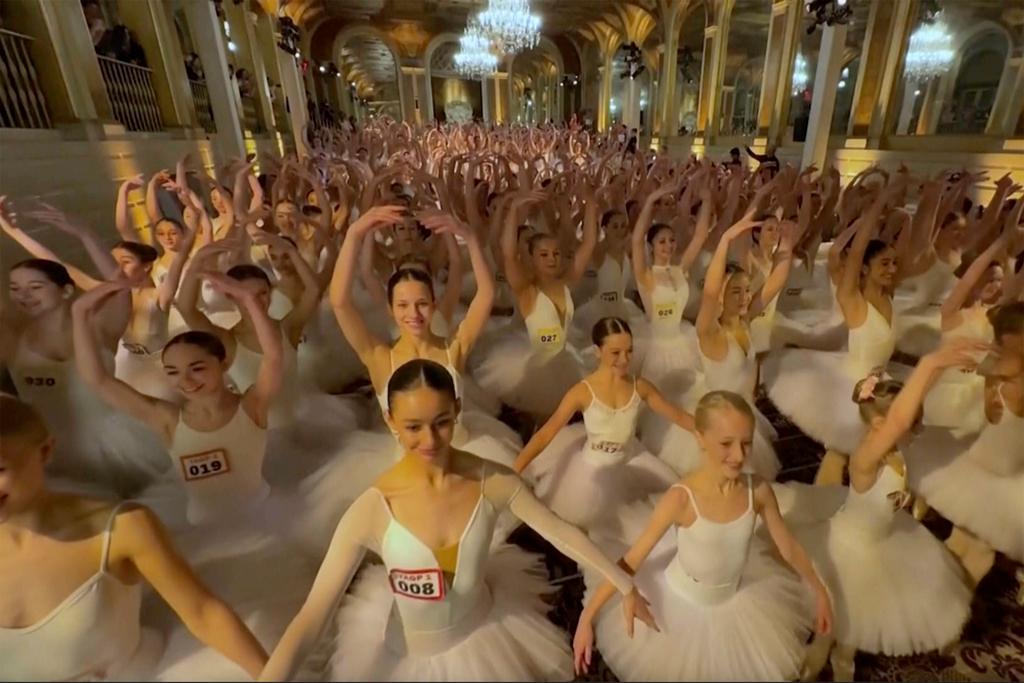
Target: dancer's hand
{"x":583,"y":646}
{"x":822,"y":613}
{"x":378,"y":217}
{"x":635,"y":606}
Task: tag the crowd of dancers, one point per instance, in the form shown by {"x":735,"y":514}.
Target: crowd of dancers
{"x":268,"y":435}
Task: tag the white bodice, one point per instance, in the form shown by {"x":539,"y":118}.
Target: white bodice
{"x":437,"y":609}
{"x":736,"y":372}
{"x":871,"y":345}
{"x":545,"y":327}
{"x":668,"y":300}
{"x":146,"y":333}
{"x":1000,"y":447}
{"x":90,"y":635}
{"x":871,"y":512}
{"x":710,"y":556}
{"x":221,"y":470}
{"x":609,"y":430}
{"x":929,"y":288}
{"x":245,"y":369}
{"x":612,"y":279}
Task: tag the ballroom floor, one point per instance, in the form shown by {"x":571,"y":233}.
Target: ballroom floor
{"x":992,"y":646}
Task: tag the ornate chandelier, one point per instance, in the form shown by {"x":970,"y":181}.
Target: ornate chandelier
{"x":930,"y":52}
{"x":510,"y":25}
{"x":474,"y":58}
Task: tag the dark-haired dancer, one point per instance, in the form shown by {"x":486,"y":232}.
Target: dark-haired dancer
{"x":586,"y":472}
{"x":444,"y":606}
{"x":410,"y":295}
{"x":811,"y":387}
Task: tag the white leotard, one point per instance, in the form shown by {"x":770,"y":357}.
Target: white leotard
{"x":609,"y":429}
{"x":668,"y":300}
{"x":612,"y":279}
{"x":736,"y":372}
{"x":545,"y":327}
{"x":222,"y":470}
{"x":870,"y":345}
{"x":998,"y":448}
{"x":91,"y":635}
{"x":871,"y":513}
{"x":436,"y":609}
{"x":245,"y":369}
{"x":710,"y":556}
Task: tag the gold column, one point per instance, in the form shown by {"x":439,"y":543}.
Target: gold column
{"x":1009,"y":100}
{"x":604,"y":96}
{"x":783,"y":40}
{"x":884,"y":45}
{"x":248,"y":56}
{"x":65,"y":61}
{"x":712,"y":73}
{"x":154,"y":29}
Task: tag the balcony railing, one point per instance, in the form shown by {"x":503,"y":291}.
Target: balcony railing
{"x":201,"y":101}
{"x":132,"y":95}
{"x":22,"y":104}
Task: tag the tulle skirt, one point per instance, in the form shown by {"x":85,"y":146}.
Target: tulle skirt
{"x":757,"y":633}
{"x":144,"y":373}
{"x":514,"y":642}
{"x":957,"y":402}
{"x":594,"y":309}
{"x":587,"y":493}
{"x":951,"y":476}
{"x":813,"y":390}
{"x":664,"y":356}
{"x":527,"y":380}
{"x":919,"y":331}
{"x":900,"y":594}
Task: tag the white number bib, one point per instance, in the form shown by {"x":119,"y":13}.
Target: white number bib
{"x":794,"y":291}
{"x":665,"y":311}
{"x":609,"y":297}
{"x":40,"y":381}
{"x":418,"y":584}
{"x":135,"y":349}
{"x":609,"y":447}
{"x":205,"y":465}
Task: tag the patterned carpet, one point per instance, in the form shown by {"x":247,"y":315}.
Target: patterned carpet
{"x":992,"y":645}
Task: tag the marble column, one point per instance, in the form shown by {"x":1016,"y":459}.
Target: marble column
{"x":823,"y":101}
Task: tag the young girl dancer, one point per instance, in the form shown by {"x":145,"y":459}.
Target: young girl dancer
{"x":727,"y":610}
{"x":464,"y":612}
{"x":586,"y":472}
{"x":72,"y":571}
{"x":884,"y":568}
{"x":864,"y":294}
{"x":532,"y":377}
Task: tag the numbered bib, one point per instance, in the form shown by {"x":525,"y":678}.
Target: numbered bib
{"x":664,"y":311}
{"x":135,"y":349}
{"x":550,"y":336}
{"x":418,"y":584}
{"x":609,"y":297}
{"x":205,"y":465}
{"x":40,"y":381}
{"x":609,"y":447}
{"x":794,"y":291}
{"x":500,"y":277}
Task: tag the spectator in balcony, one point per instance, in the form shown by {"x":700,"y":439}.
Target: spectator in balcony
{"x":194,"y":67}
{"x":94,"y":18}
{"x":246,"y":85}
{"x":119,"y":43}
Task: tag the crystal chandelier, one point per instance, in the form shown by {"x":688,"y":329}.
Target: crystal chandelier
{"x":800,"y":77}
{"x":930,"y":52}
{"x":510,"y":25}
{"x":474,"y":58}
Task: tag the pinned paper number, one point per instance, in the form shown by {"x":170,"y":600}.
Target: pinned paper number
{"x":609,"y":297}
{"x":40,"y":381}
{"x":418,"y":584}
{"x":550,"y":336}
{"x":610,"y":447}
{"x":794,"y":291}
{"x":665,"y":311}
{"x":205,"y":465}
{"x":135,"y":349}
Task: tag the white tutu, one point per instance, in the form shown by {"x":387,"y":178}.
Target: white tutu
{"x":812,"y":389}
{"x":665,"y":356}
{"x":531,"y":382}
{"x":514,"y":642}
{"x":758,"y":633}
{"x":900,"y":594}
{"x":144,"y":372}
{"x":956,"y":401}
{"x":266,"y":587}
{"x":325,"y":358}
{"x":823,"y":330}
{"x":952,"y":476}
{"x":588,"y":493}
{"x":918,"y":332}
